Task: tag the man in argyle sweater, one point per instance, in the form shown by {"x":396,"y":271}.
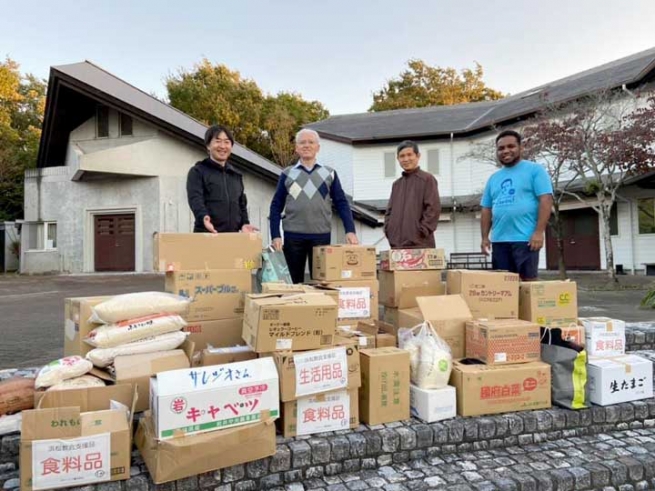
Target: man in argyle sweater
{"x":306,"y":192}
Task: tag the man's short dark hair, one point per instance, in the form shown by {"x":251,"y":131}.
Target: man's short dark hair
{"x":215,"y":130}
{"x":407,"y":144}
{"x":513,"y":133}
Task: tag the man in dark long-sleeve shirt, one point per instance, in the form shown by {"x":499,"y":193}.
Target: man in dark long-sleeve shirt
{"x":215,"y":188}
{"x":306,"y":192}
{"x":414,"y":206}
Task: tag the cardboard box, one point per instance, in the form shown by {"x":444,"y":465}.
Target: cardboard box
{"x":604,"y":337}
{"x":362,"y":340}
{"x":488,"y":389}
{"x":184,"y":252}
{"x":177,"y":458}
{"x":344,"y":262}
{"x":222,"y":356}
{"x":318,"y":371}
{"x":92,"y":426}
{"x":77,"y":312}
{"x":285,"y":288}
{"x":337,"y":410}
{"x":197,"y":400}
{"x":384,"y":396}
{"x":503,"y":341}
{"x":489,"y":295}
{"x":448,"y":314}
{"x":384,"y":334}
{"x":412,"y":259}
{"x":218,"y":333}
{"x":357,"y":299}
{"x":549,"y":303}
{"x":402,"y":317}
{"x":620,"y":379}
{"x":432,"y":405}
{"x":400,"y":288}
{"x":289,"y":322}
{"x":215,"y":294}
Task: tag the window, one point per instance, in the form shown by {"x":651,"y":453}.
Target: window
{"x":614,"y":221}
{"x":41,"y":236}
{"x":390,"y":165}
{"x":126,"y":125}
{"x":646,"y":207}
{"x":102,"y":122}
{"x":433,"y":161}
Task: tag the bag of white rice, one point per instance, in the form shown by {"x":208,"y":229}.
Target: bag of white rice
{"x":112,"y":335}
{"x":133,"y":305}
{"x":82,"y":382}
{"x":431,"y":360}
{"x":62,"y":369}
{"x":101,"y":357}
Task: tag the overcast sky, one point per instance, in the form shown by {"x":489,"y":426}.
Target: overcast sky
{"x":338,"y":52}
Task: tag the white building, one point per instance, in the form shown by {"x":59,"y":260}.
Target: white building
{"x":362,"y":148}
{"x":111,"y":172}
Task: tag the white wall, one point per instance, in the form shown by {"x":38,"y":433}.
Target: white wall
{"x":339,"y":156}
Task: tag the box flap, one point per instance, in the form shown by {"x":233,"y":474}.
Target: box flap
{"x":444,"y":307}
{"x":88,"y":399}
{"x":128,"y":367}
{"x":271,"y":300}
{"x":42,"y":424}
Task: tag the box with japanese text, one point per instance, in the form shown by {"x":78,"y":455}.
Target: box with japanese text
{"x":344,"y":262}
{"x":503,"y":341}
{"x":332,"y":411}
{"x":620,"y":379}
{"x":494,"y":389}
{"x":489,"y":295}
{"x":196,"y":400}
{"x":217,"y":333}
{"x":384,"y":396}
{"x":289,"y":322}
{"x":384,"y":334}
{"x":448,"y":315}
{"x":604,"y":337}
{"x":287,"y":289}
{"x":215,"y":294}
{"x":221,"y":356}
{"x":77,"y":312}
{"x":185,"y":252}
{"x":358,"y":299}
{"x":549,"y":303}
{"x":400,"y":288}
{"x":317,"y":371}
{"x":178,"y":458}
{"x":77,"y":437}
{"x":412,"y":259}
{"x":432,"y":405}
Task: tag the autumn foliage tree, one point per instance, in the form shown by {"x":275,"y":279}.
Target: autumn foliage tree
{"x":422,"y":85}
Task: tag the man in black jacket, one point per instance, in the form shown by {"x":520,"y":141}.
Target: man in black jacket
{"x":215,"y":188}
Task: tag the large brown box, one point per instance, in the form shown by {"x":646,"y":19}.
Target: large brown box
{"x":77,"y":312}
{"x":399,"y":289}
{"x":215,"y":294}
{"x":384,"y":396}
{"x":289,"y":419}
{"x":489,"y":295}
{"x":344,"y":262}
{"x":219,"y":334}
{"x":549,"y":303}
{"x":485,"y":389}
{"x":289,"y":322}
{"x":183,"y":252}
{"x":503,"y":341}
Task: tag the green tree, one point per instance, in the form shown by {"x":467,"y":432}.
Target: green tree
{"x":421,"y":85}
{"x":22,"y":103}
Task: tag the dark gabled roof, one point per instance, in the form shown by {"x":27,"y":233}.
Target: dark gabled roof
{"x":462,"y":119}
{"x":464,"y":201}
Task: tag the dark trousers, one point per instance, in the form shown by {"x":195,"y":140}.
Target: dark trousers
{"x":297,"y":252}
{"x":515,"y":257}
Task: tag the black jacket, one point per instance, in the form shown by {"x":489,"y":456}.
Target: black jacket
{"x":217,"y":191}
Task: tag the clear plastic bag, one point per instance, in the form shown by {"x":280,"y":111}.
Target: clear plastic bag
{"x":431,"y":359}
{"x":141,"y":304}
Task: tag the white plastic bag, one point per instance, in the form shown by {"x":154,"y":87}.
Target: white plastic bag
{"x":62,"y":369}
{"x":102,"y":357}
{"x":133,"y":305}
{"x":112,"y":335}
{"x":83,"y":382}
{"x":431,"y":360}
{"x":10,"y":423}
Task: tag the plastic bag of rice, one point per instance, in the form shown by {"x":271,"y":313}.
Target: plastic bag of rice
{"x":62,"y":369}
{"x":430,"y":357}
{"x":83,"y":382}
{"x":102,"y":357}
{"x":112,"y":335}
{"x":133,"y":305}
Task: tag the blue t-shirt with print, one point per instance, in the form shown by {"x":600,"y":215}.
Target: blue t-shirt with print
{"x":513,"y":193}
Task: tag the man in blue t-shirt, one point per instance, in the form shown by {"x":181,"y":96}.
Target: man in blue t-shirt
{"x":516,"y":206}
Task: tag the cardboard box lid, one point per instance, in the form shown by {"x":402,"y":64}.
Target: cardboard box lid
{"x":381,"y":352}
{"x":129,"y":367}
{"x":481,"y":367}
{"x":444,"y":307}
{"x":502,"y":323}
{"x":618,"y":361}
{"x":318,"y":299}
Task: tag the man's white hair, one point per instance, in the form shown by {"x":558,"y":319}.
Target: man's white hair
{"x":310,"y":131}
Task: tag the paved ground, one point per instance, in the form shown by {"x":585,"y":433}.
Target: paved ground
{"x":32,"y":308}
